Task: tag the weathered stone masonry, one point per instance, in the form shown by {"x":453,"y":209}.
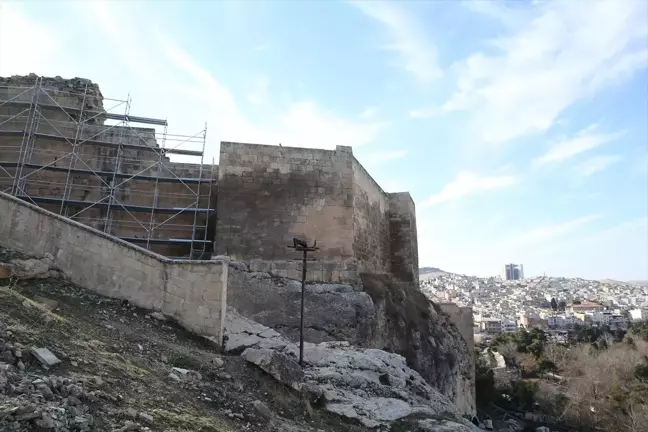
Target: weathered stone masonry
{"x":268,"y":194}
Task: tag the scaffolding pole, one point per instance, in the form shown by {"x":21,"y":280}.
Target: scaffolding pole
{"x":155,"y":194}
{"x":211,"y":180}
{"x":26,"y":137}
{"x":68,"y":187}
{"x":107,"y":225}
{"x":200,"y":170}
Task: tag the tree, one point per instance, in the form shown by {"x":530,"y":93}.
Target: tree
{"x":554,"y":304}
{"x":562,"y":305}
{"x":639,"y":330}
{"x":484,"y":383}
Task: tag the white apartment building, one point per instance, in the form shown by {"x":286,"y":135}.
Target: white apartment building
{"x":609,"y":318}
{"x":491,"y":326}
{"x":639,"y":315}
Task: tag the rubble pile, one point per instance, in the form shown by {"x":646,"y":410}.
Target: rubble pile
{"x":38,"y":398}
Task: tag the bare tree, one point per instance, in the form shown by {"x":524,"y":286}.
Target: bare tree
{"x":559,"y":355}
{"x":509,"y":352}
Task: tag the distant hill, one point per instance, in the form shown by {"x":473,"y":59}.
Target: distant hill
{"x":634,"y":282}
{"x":429,"y":272}
{"x":424,"y":270}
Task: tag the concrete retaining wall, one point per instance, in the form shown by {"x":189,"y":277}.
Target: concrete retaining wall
{"x":192,"y":292}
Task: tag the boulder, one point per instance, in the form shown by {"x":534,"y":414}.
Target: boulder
{"x":279,"y":365}
{"x":370,"y":386}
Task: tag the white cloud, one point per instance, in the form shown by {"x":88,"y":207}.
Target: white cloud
{"x":425,"y":112}
{"x":419,"y":56}
{"x":563,"y":53}
{"x":566,"y":148}
{"x":467,"y":183}
{"x":307,"y":125}
{"x":258,"y":94}
{"x":551,"y":231}
{"x":368,"y":112}
{"x":167,"y":81}
{"x":394,"y":185}
{"x":595,"y":164}
{"x":498,"y":10}
{"x":376,"y":158}
{"x":25,"y":47}
{"x":597,"y":254}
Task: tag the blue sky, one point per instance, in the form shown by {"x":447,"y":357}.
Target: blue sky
{"x":520,"y":128}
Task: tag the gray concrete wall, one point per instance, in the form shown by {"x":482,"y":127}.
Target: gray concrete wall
{"x":370,"y":222}
{"x":192,"y":292}
{"x":403,"y":237}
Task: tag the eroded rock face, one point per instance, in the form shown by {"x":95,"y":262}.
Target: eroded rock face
{"x":371,"y":386}
{"x":335,"y":311}
{"x":380,"y":314}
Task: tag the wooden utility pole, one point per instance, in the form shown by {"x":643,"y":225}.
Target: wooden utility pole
{"x":301,"y":246}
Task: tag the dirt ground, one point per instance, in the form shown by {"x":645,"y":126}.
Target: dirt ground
{"x":122,"y":358}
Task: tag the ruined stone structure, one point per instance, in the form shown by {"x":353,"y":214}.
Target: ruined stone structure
{"x":66,"y":148}
{"x":62,"y":148}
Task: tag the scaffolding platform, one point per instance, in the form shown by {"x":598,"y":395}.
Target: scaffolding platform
{"x":187,"y":180}
{"x":163,"y":241}
{"x":99,"y":204}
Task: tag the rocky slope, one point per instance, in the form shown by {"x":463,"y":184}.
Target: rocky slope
{"x":122,"y":368}
{"x":380,"y":314}
{"x":371,"y":386}
{"x":117,"y":370}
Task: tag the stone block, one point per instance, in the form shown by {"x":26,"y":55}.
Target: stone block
{"x":45,"y":356}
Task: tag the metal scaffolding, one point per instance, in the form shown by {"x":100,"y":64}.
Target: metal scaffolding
{"x":63,"y":150}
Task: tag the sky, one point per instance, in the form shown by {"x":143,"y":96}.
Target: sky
{"x":519,"y":128}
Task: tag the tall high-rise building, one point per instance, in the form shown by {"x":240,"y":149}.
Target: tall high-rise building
{"x":513,"y":272}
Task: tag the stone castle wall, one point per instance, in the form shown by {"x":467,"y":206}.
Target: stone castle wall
{"x":403,"y":237}
{"x":370,"y":222}
{"x":268,"y":194}
{"x":265,"y":196}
